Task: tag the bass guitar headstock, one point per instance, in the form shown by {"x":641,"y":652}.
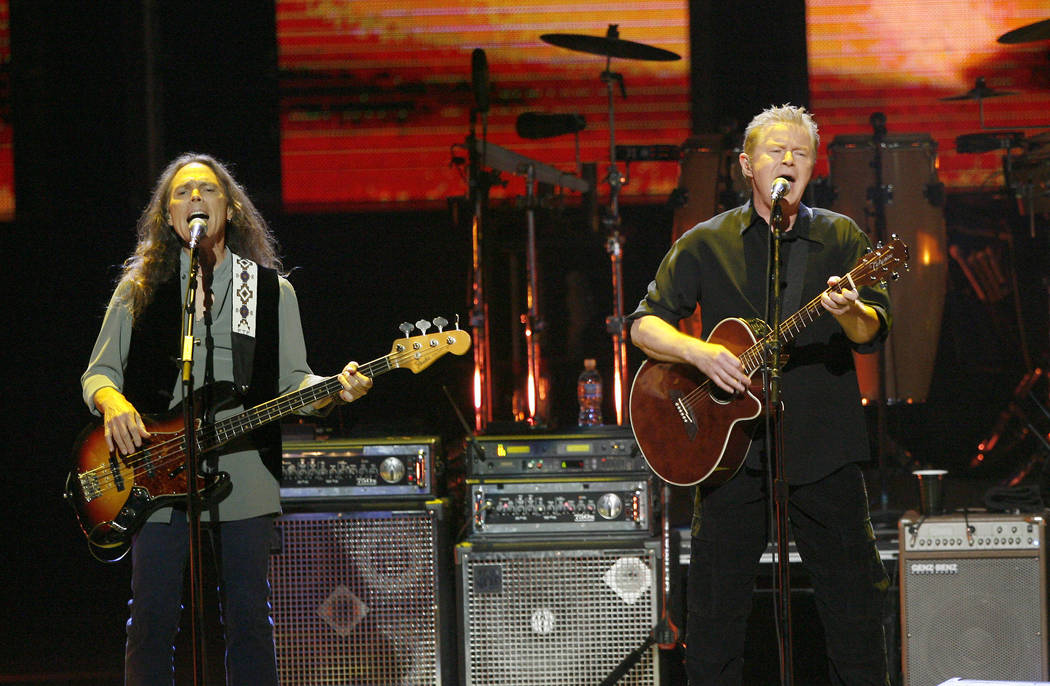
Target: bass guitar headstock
{"x":419,"y":352}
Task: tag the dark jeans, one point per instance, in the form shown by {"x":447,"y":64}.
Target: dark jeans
{"x":159,"y":557}
{"x":831,"y":528}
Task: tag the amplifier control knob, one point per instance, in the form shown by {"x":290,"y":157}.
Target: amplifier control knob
{"x":610,"y":506}
{"x":392,"y":470}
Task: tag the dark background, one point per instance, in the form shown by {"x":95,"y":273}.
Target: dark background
{"x":103,"y":96}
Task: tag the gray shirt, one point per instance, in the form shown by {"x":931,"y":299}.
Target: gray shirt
{"x":255,"y":491}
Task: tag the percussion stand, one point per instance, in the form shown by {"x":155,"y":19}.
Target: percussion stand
{"x":880,"y":194}
{"x":615,"y":324}
{"x":480,"y":182}
{"x":531,"y":319}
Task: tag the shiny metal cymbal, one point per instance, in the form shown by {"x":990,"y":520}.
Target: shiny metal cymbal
{"x":979,"y":92}
{"x":1040,"y":30}
{"x":610,"y":45}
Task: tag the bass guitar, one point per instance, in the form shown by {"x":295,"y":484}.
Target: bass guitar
{"x":113,"y":494}
{"x":688,"y":429}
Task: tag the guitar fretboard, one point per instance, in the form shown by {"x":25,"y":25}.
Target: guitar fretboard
{"x":227,"y":430}
{"x":873,"y":268}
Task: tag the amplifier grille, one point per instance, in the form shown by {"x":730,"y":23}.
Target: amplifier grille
{"x":557,"y":617}
{"x":354,"y":599}
{"x":982,"y":621}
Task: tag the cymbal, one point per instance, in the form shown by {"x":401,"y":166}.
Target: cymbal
{"x":610,"y":47}
{"x":979,"y":92}
{"x":1040,"y":30}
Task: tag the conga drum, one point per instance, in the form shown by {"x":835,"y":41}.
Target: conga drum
{"x":707,"y":175}
{"x":914,"y":212}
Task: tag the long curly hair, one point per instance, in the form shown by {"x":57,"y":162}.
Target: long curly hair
{"x":155,"y":259}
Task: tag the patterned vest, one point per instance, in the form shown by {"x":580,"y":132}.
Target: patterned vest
{"x":153,"y":367}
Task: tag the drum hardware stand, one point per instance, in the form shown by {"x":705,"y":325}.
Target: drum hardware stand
{"x":611,"y":46}
{"x":615,"y":323}
{"x":534,"y":325}
{"x":880,"y":194}
{"x":480,"y":181}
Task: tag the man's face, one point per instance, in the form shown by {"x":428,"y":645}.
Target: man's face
{"x":196,"y":189}
{"x":780,"y":150}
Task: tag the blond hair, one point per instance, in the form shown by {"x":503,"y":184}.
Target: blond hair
{"x":785,"y":114}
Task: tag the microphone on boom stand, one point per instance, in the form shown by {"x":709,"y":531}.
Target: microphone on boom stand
{"x":781,"y":187}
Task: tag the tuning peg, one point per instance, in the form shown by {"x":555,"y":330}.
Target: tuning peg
{"x":406,"y":328}
{"x":868,"y":250}
{"x":440,"y":323}
{"x":457,"y":322}
{"x":879,"y":244}
{"x":895,"y":276}
{"x":423,"y":325}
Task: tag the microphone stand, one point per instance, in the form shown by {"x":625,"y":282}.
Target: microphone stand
{"x":193,"y":501}
{"x":776,"y":485}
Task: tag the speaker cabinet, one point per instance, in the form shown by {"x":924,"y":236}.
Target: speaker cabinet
{"x":363,"y":598}
{"x":557,"y":616}
{"x":973,"y":597}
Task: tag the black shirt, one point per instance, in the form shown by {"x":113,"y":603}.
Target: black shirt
{"x":722,"y":264}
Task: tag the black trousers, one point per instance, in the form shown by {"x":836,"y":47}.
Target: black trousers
{"x":831,"y":527}
{"x":159,"y":556}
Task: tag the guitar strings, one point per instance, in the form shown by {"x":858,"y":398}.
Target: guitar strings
{"x":160,"y":455}
{"x":752,"y":357}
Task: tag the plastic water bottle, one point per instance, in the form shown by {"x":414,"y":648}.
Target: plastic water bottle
{"x":589,"y":393}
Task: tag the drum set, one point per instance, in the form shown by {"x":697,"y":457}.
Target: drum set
{"x":486,"y":160}
{"x":887,"y":182}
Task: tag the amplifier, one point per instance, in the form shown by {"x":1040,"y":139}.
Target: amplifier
{"x":365,"y":468}
{"x":560,"y":507}
{"x":364,"y":597}
{"x":558,"y":616}
{"x":973,"y":597}
{"x":568,"y":455}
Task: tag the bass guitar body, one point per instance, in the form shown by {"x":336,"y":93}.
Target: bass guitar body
{"x":687,"y":428}
{"x":113,"y":494}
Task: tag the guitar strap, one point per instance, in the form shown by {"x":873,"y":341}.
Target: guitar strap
{"x":245,"y":287}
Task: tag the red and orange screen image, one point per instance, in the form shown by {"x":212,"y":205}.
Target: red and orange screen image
{"x":902,"y":58}
{"x":376,"y":97}
{"x":7,"y":162}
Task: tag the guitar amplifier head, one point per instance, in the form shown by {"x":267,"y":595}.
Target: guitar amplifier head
{"x":369,"y":468}
{"x":568,"y":456}
{"x":561,"y":507}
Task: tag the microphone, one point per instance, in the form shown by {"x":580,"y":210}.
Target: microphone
{"x":198,"y":227}
{"x":479,"y":79}
{"x":536,"y":125}
{"x":781,"y":187}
